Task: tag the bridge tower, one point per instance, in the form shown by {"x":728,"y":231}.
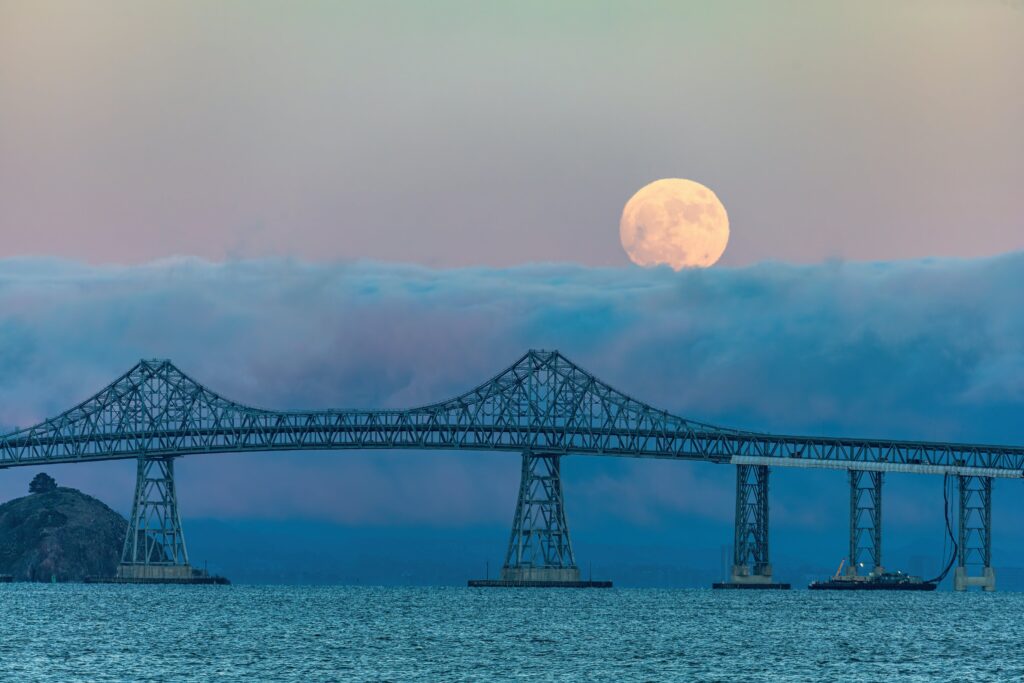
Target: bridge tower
{"x":539,"y":548}
{"x":865,"y":522}
{"x":975,"y":534}
{"x":751,"y":567}
{"x":154,"y":547}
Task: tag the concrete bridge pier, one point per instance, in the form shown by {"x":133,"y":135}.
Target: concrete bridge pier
{"x":865,"y":523}
{"x":751,"y":567}
{"x":974,"y":558}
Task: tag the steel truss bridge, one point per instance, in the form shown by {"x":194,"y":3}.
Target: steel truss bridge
{"x":543,"y":407}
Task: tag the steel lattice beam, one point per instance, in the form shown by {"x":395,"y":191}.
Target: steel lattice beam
{"x":750,"y":540}
{"x":974,"y":559}
{"x":865,"y":521}
{"x":539,"y":548}
{"x":154,"y":546}
{"x":542,"y":403}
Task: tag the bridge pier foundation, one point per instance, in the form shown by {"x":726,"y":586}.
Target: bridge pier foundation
{"x":974,"y":535}
{"x":865,"y":522}
{"x":751,"y":567}
{"x":154,"y":547}
{"x":539,"y":548}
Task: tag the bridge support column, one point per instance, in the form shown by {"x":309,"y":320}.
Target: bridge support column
{"x":975,"y":534}
{"x":750,"y":565}
{"x":865,"y":522}
{"x":154,"y":548}
{"x":539,"y":548}
{"x":750,"y":541}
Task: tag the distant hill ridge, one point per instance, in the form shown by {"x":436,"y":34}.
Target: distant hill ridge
{"x":59,"y":533}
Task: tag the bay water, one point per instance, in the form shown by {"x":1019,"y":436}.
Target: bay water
{"x":71,"y":632}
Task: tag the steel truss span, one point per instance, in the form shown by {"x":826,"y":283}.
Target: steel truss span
{"x":542,"y":403}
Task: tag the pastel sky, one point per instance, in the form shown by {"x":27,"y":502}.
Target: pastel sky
{"x":464,"y":133}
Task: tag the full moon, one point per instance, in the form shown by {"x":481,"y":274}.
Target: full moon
{"x":676,"y":222}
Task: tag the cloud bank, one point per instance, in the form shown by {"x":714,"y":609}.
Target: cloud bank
{"x":923,"y":349}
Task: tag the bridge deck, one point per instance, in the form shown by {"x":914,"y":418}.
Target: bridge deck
{"x":542,"y":403}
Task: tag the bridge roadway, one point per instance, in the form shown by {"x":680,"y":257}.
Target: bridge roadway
{"x":542,"y":403}
{"x":543,"y":406}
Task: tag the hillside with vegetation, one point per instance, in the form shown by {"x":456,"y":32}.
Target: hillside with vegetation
{"x":59,"y":534}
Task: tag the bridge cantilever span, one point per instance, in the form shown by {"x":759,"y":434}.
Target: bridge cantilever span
{"x":542,"y":404}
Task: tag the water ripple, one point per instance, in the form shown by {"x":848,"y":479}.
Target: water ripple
{"x":277,"y":633}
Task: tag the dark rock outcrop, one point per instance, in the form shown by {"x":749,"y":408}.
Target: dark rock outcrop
{"x":60,"y":534}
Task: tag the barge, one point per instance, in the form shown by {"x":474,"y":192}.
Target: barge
{"x":880,"y":581}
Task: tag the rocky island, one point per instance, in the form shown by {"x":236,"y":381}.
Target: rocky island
{"x":59,"y":534}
